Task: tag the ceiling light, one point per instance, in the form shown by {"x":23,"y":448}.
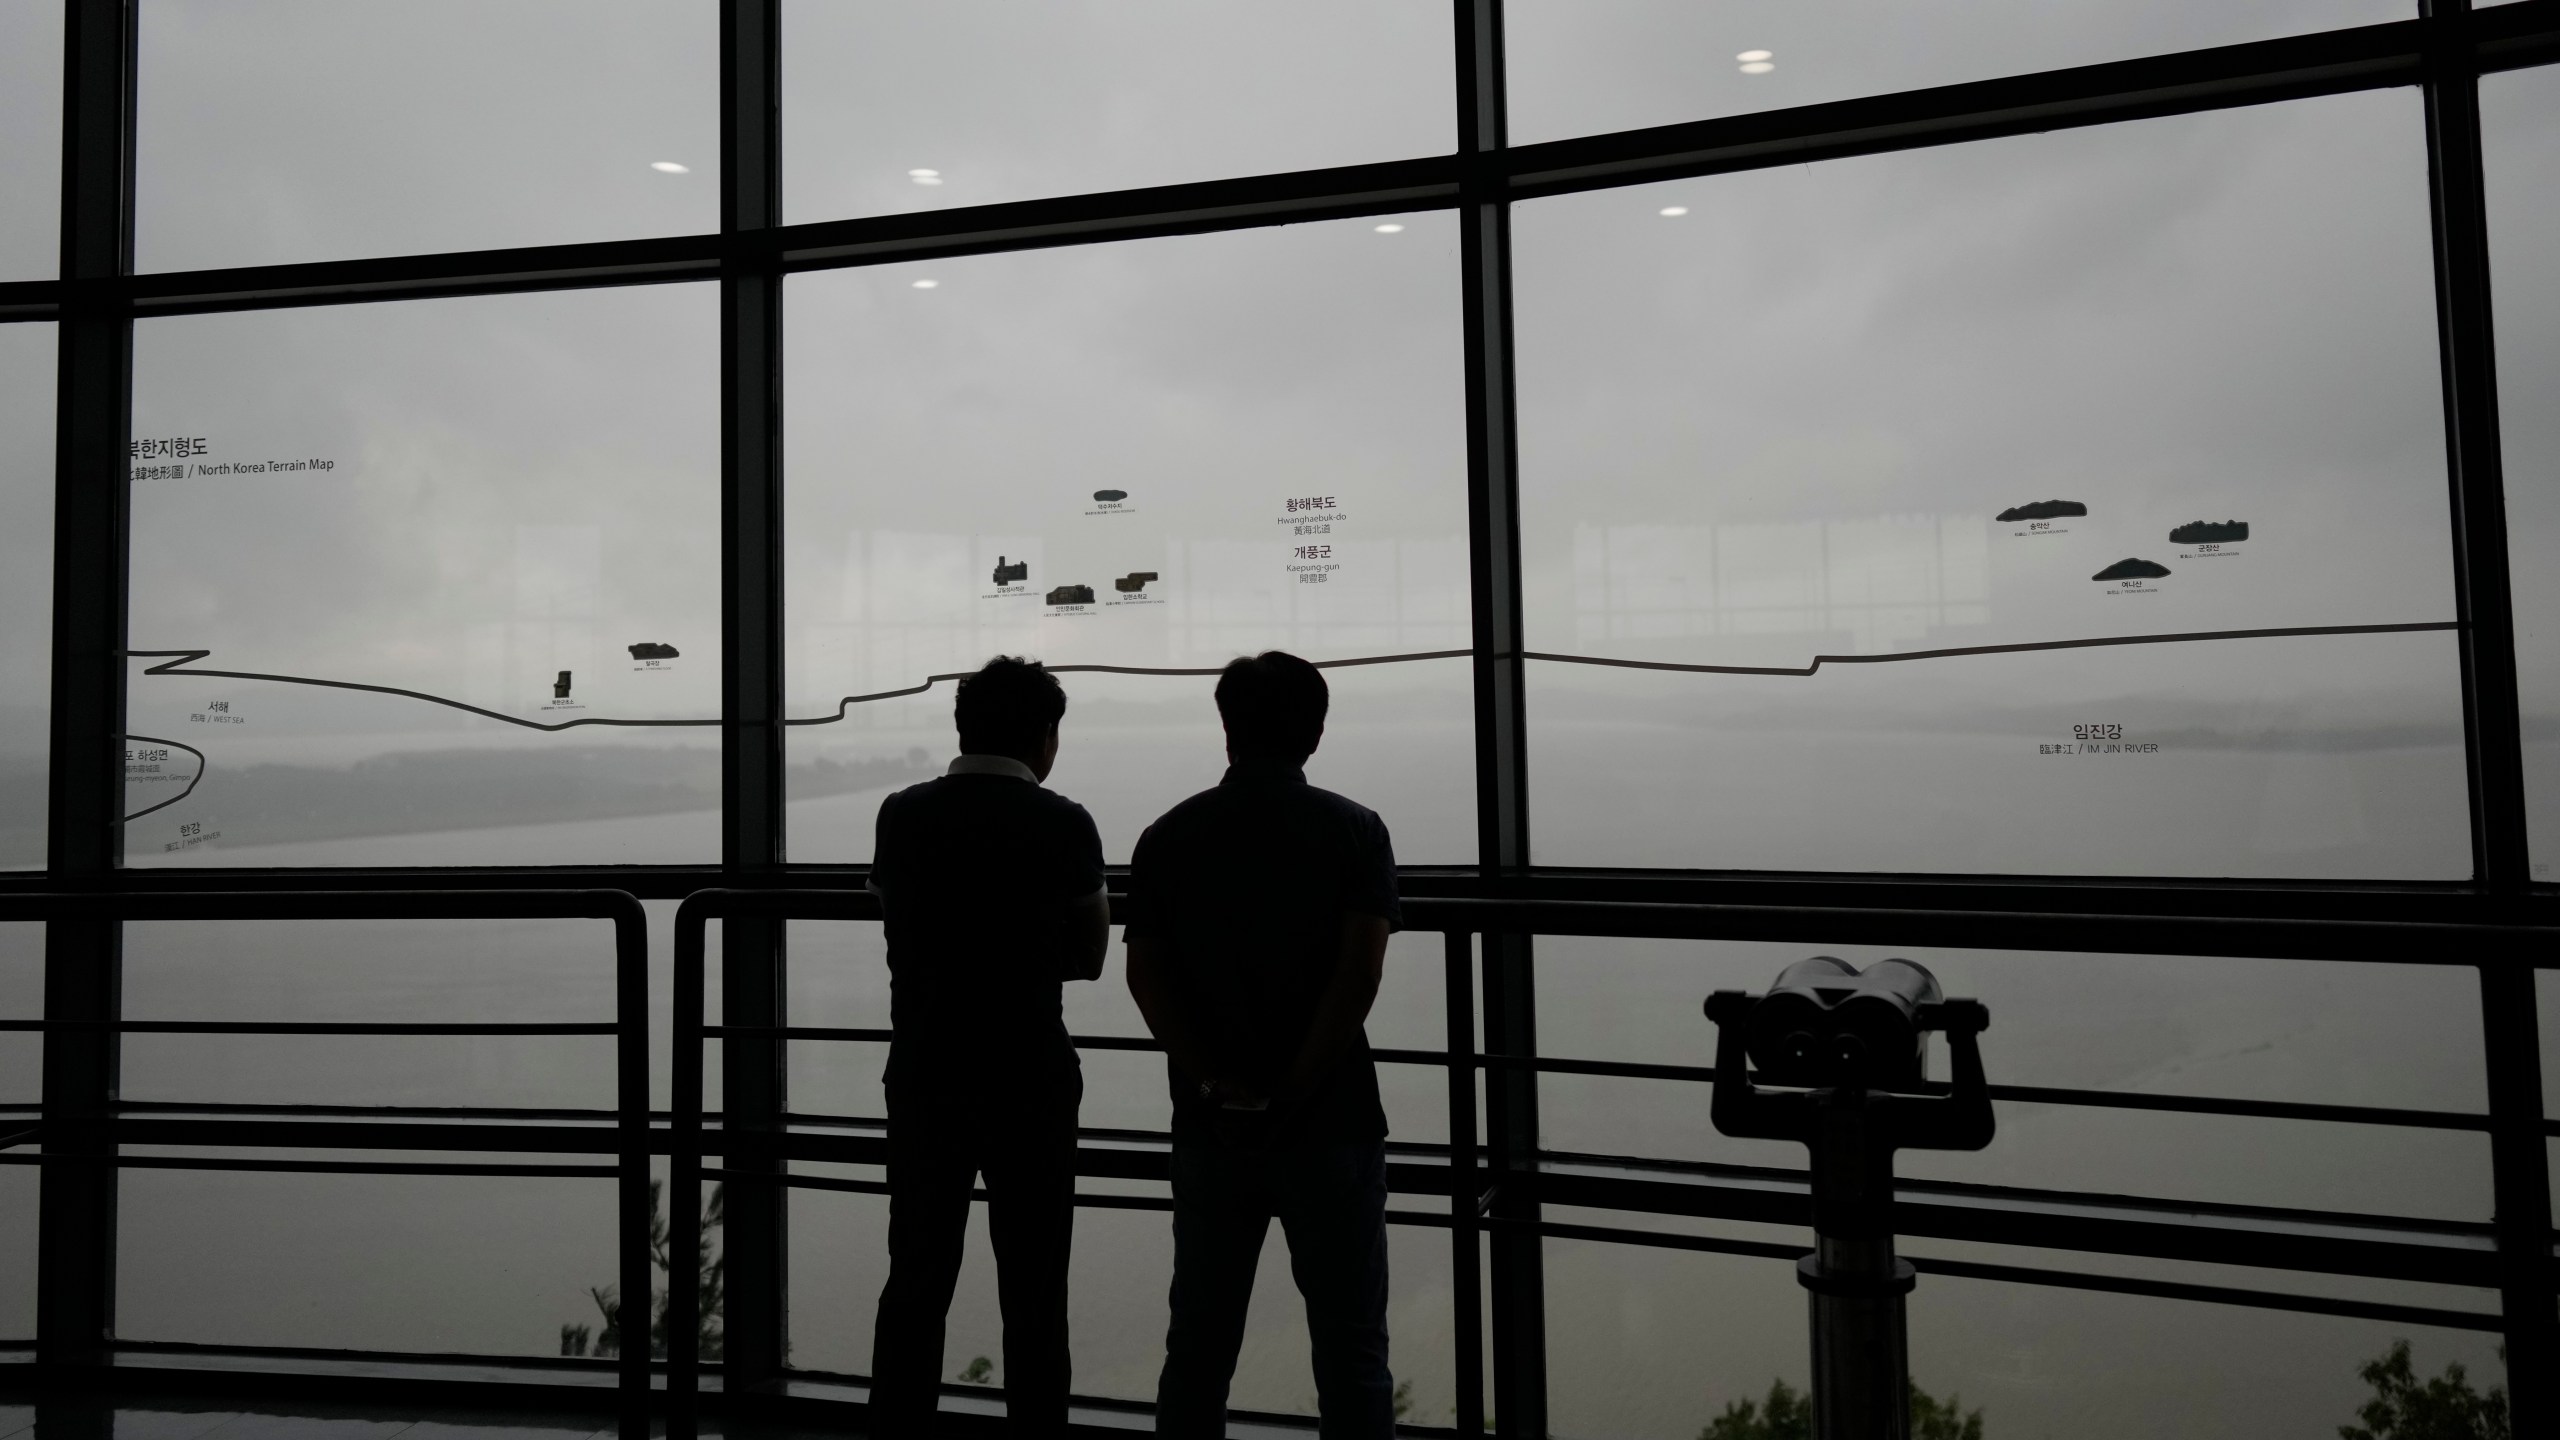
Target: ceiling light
{"x":1756,"y":67}
{"x":1753,"y":57}
{"x":1390,"y":229}
{"x":1674,"y":210}
{"x":923,"y":284}
{"x":669,"y":167}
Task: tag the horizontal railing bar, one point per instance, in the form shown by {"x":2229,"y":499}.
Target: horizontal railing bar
{"x":342,"y":1167}
{"x":336,"y":1027}
{"x":420,"y":903}
{"x":181,"y":1108}
{"x":586,"y":1363}
{"x":2026,"y":1275}
{"x":2406,"y":942}
{"x":2211,"y":1294}
{"x":2048,"y":1095}
{"x":1768,"y":1179}
{"x":1084,"y":1200}
{"x":20,"y":1137}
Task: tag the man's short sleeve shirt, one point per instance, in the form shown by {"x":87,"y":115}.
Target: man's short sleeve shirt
{"x":1244,"y":889}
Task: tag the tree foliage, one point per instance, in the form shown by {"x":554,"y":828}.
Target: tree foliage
{"x":1787,"y":1414}
{"x":710,"y":1280}
{"x":2405,"y":1407}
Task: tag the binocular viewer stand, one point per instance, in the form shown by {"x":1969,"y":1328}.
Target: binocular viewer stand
{"x":1849,"y":1045}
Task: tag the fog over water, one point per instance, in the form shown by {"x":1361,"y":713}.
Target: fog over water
{"x":1763,"y":418}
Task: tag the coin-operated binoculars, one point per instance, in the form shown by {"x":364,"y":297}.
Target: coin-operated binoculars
{"x":1850,"y":1046}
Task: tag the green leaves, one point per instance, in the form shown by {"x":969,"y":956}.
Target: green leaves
{"x":2404,"y":1407}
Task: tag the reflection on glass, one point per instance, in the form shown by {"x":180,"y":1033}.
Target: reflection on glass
{"x":2033,"y":396}
{"x":2520,"y":127}
{"x":505,"y":510}
{"x":970,"y":102}
{"x":488,"y":1265}
{"x":1122,"y":1268}
{"x":27,"y":365}
{"x":30,"y":141}
{"x":282,"y":130}
{"x":1154,"y":456}
{"x":1582,"y":67}
{"x":2388,"y":1036}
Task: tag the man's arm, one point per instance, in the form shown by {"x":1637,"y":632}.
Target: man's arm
{"x":1083,"y":933}
{"x":1151,"y":985}
{"x":1084,"y":936}
{"x":1344,"y":1007}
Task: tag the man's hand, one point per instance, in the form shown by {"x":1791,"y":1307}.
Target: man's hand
{"x":1152,"y":988}
{"x":1357,"y":968}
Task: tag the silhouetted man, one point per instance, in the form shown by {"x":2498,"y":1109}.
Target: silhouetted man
{"x":991,"y":889}
{"x":1258,"y":923}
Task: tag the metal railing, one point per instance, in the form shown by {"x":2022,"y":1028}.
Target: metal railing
{"x":96,"y":1134}
{"x":1499,"y":1189}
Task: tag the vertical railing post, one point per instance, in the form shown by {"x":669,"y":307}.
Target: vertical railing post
{"x":751,"y":989}
{"x":1466,"y":1188}
{"x":83,"y":967}
{"x":631,"y":1101}
{"x":684,"y":1158}
{"x":1502,"y":775}
{"x":2519,"y":1154}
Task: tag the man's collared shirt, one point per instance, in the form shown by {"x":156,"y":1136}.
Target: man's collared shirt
{"x":1244,"y":888}
{"x":978,"y":872}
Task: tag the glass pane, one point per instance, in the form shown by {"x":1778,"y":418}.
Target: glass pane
{"x":1122,"y":1269}
{"x":1581,"y":67}
{"x":18,"y":1210}
{"x":26,"y":589}
{"x":373,"y":972}
{"x":490,"y":1265}
{"x":2400,"y":1036}
{"x":1920,"y":402}
{"x":21,"y":970}
{"x":30,"y":143}
{"x":968,"y":102}
{"x":281,"y":130}
{"x":465,"y":553}
{"x":1652,"y":1344}
{"x":2520,"y":127}
{"x":1114,"y":455}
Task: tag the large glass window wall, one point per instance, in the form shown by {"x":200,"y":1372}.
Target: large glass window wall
{"x":2059,"y":495}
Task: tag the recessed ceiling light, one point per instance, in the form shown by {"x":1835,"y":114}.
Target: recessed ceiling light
{"x":1749,"y":57}
{"x":669,"y":167}
{"x":1390,"y":229}
{"x":1756,"y":67}
{"x":1674,"y":210}
{"x":924,"y":284}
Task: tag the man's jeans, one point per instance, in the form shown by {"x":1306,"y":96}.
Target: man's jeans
{"x":1331,"y":1201}
{"x":1026,"y":1151}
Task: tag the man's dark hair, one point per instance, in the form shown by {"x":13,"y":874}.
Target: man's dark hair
{"x":1008,"y":708}
{"x":1274,"y":706}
